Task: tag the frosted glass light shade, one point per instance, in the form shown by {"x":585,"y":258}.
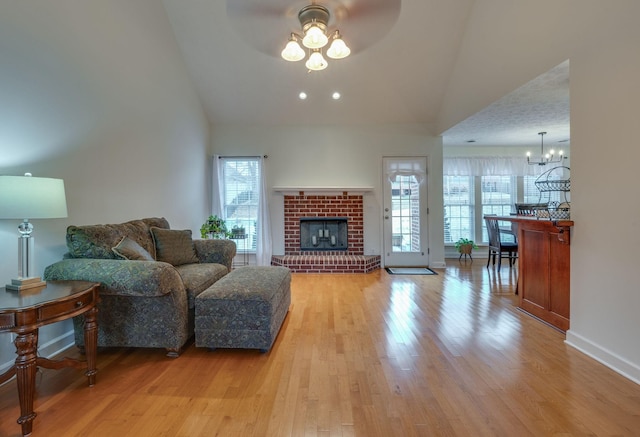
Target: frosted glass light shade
{"x":292,"y":51}
{"x":27,"y":197}
{"x":314,"y":38}
{"x":338,"y":48}
{"x":316,"y":62}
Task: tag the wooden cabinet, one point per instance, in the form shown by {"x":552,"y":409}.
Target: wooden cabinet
{"x":544,"y":268}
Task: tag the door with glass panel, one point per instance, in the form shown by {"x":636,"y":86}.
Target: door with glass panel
{"x":404,"y":214}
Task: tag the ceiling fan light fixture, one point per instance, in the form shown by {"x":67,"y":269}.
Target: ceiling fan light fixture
{"x":338,"y":49}
{"x":292,"y":51}
{"x":316,"y":61}
{"x":314,"y":21}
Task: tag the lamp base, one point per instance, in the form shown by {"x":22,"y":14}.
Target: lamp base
{"x":25,"y":284}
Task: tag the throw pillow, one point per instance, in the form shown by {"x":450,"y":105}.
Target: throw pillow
{"x":129,"y":249}
{"x":174,"y":247}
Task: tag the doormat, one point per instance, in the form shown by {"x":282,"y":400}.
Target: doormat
{"x":410,"y":271}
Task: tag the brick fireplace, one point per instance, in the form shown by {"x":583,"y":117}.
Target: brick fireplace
{"x":314,"y":205}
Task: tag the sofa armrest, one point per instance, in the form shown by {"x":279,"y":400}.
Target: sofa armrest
{"x":216,"y":251}
{"x":119,"y":277}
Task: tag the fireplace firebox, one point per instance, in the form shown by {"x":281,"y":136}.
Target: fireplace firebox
{"x":323,"y":233}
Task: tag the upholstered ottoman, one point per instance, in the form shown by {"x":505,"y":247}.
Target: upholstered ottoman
{"x":244,"y":309}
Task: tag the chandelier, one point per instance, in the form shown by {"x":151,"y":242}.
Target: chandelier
{"x":545,"y":158}
{"x":313,"y":20}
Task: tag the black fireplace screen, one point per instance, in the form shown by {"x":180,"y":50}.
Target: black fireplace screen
{"x":323,"y":233}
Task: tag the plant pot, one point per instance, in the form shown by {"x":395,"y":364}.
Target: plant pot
{"x":465,"y":249}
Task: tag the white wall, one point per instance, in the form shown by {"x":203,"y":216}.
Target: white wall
{"x":605,"y":299}
{"x":507,"y":48}
{"x":339,"y":156}
{"x":96,"y":93}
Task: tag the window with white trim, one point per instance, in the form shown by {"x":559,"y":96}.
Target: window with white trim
{"x":459,"y":208}
{"x":498,"y":197}
{"x":240,"y":195}
{"x":464,"y":211}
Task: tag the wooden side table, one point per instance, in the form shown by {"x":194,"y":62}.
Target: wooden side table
{"x":24,"y":312}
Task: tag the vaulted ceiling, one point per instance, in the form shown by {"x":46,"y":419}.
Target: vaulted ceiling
{"x":403,"y":54}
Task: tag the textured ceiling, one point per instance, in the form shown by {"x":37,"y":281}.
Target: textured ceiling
{"x":403,"y":55}
{"x":541,"y":105}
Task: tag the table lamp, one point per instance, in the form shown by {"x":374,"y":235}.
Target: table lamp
{"x":26,"y":197}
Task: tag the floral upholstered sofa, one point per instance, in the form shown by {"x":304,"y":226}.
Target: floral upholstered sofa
{"x":149,"y":278}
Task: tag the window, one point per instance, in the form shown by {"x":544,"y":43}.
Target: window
{"x":531,"y":193}
{"x":405,"y":214}
{"x":468,"y":198}
{"x":240,"y":194}
{"x":498,"y":197}
{"x":480,"y":185}
{"x":458,"y":207}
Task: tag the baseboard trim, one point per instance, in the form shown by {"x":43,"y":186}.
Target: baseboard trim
{"x":49,"y":349}
{"x":56,"y":345}
{"x":604,"y":356}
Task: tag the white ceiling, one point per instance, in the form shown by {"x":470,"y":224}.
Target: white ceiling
{"x":232,"y":51}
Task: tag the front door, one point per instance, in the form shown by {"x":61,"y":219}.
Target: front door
{"x":405,"y":211}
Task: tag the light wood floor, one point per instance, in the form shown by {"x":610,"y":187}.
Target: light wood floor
{"x":358,"y":355}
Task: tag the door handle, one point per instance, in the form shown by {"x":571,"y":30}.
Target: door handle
{"x":386,"y":217}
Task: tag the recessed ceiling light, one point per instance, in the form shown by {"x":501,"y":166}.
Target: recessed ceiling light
{"x":335,"y":95}
{"x":302,"y":95}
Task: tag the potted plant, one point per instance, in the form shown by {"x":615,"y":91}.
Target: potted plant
{"x":213,"y":227}
{"x":464,"y":247}
{"x":237,"y":232}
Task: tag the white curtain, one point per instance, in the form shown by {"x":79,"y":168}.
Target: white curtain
{"x":406,"y":167}
{"x":489,"y":166}
{"x":218,"y":186}
{"x":264,"y":247}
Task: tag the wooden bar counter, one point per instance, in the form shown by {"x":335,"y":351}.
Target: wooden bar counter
{"x":543,"y":267}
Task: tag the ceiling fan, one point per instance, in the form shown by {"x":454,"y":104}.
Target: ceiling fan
{"x":266,"y":24}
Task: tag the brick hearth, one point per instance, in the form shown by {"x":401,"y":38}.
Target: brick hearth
{"x":328,"y":263}
{"x":351,"y":260}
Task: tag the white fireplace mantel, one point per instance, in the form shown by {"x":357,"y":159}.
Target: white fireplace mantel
{"x":323,"y":191}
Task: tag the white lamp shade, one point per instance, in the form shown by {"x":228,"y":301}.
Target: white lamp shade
{"x":26,"y":197}
{"x":292,"y":51}
{"x":316,"y":62}
{"x":314,"y":38}
{"x":338,"y":49}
